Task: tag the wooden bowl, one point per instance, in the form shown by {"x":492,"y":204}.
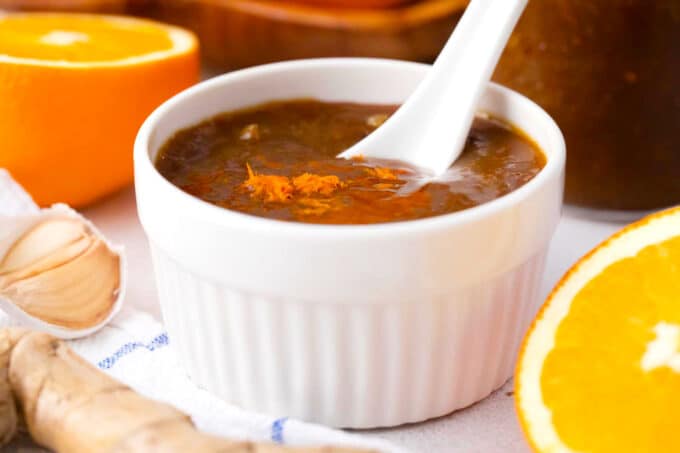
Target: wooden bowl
{"x":240,"y":33}
{"x":88,"y":6}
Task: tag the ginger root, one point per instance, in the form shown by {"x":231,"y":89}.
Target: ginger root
{"x":70,"y":406}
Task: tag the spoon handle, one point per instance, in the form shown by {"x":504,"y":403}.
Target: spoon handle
{"x":439,"y":114}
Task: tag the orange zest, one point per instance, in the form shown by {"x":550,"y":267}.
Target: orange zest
{"x":269,"y":187}
{"x":308,"y":184}
{"x":278,"y":188}
{"x":386,"y":174}
{"x":314,"y":194}
{"x":74,"y":90}
{"x":599,"y":370}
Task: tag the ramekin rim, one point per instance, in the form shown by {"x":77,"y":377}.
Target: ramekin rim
{"x":555,"y":161}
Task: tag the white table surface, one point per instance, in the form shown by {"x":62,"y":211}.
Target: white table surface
{"x":489,"y":426}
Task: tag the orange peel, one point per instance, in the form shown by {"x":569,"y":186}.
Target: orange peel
{"x":74,"y":90}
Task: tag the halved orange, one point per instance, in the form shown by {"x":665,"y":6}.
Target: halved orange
{"x":600,"y":367}
{"x":74,"y":89}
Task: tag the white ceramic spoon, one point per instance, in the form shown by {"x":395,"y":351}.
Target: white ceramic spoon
{"x":430,"y":129}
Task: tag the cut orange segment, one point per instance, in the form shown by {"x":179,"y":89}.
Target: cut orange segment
{"x":600,"y":367}
{"x":75,"y":88}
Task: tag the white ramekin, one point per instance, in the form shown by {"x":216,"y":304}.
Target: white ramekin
{"x":350,"y":326}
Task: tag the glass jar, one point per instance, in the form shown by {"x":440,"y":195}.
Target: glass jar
{"x":608,"y":71}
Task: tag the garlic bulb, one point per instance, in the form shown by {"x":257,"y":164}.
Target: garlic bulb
{"x":61,"y":272}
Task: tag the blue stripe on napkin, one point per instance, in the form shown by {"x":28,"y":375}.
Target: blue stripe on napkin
{"x":277,"y":430}
{"x":158,"y":342}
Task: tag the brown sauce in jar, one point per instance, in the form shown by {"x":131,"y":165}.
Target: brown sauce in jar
{"x":278,"y":161}
{"x":608,"y":72}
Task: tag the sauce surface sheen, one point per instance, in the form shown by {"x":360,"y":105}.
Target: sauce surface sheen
{"x":277,"y":160}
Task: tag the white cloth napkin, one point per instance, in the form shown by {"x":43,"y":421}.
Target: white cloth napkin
{"x":135,"y":349}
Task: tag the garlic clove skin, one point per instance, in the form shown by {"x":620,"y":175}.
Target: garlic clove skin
{"x":14,"y":200}
{"x":59,"y":274}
